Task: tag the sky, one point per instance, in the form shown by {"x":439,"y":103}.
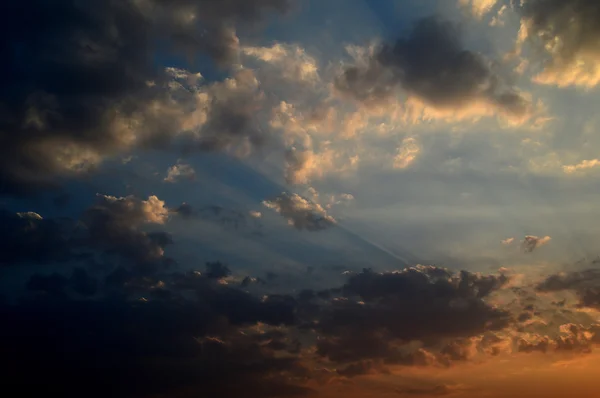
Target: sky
{"x":300,"y":198}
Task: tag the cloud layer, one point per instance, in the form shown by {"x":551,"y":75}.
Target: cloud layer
{"x":80,"y":82}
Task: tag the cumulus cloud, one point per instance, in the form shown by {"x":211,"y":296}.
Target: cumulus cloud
{"x":131,"y":211}
{"x":531,"y":242}
{"x":572,"y":338}
{"x":189,"y":334}
{"x":83,"y":85}
{"x":180,"y":171}
{"x":427,"y":304}
{"x":288,"y":62}
{"x":115,"y":225}
{"x":567,"y":35}
{"x":300,"y":212}
{"x":432,"y":66}
{"x":112,"y":226}
{"x":303,"y":165}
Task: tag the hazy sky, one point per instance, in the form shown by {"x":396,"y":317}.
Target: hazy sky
{"x":274,"y":198}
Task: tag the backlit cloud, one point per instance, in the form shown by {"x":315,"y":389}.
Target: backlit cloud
{"x":478,"y":8}
{"x":432,"y":66}
{"x":85,"y":86}
{"x":300,"y":212}
{"x":180,"y":171}
{"x":531,"y":242}
{"x":584,"y":165}
{"x":568,"y":35}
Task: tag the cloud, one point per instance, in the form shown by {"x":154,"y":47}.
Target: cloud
{"x":301,"y":213}
{"x":82,"y":84}
{"x":572,"y":338}
{"x":217,"y":270}
{"x":567,"y":35}
{"x":426,"y":304}
{"x":29,"y":238}
{"x":288,"y":62}
{"x":586,"y":284}
{"x":407,"y":153}
{"x":432,"y":66}
{"x":584,"y":165}
{"x":114,"y":225}
{"x":111,"y":226}
{"x":195,"y":340}
{"x":231,"y":115}
{"x":305,"y":165}
{"x":479,"y":8}
{"x":531,"y":242}
{"x":185,"y":210}
{"x":80,"y":282}
{"x":255,"y":214}
{"x":228,"y":219}
{"x":180,"y":171}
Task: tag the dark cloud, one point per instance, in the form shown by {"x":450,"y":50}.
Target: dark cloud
{"x":231,"y":116}
{"x":361,"y":368}
{"x":80,"y":80}
{"x":114,"y":225}
{"x":586,"y":284}
{"x":52,"y":284}
{"x":570,"y":280}
{"x":111,"y":226}
{"x":148,"y":334}
{"x":29,"y":238}
{"x":120,"y":348}
{"x":55,"y":284}
{"x":426,"y":304}
{"x":432,"y":65}
{"x":574,"y":25}
{"x":185,"y":210}
{"x":217,"y":270}
{"x":83,"y":283}
{"x":300,"y":212}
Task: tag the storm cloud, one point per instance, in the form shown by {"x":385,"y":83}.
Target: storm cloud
{"x":139,"y":348}
{"x":80,"y":81}
{"x":381,"y":313}
{"x":432,"y":65}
